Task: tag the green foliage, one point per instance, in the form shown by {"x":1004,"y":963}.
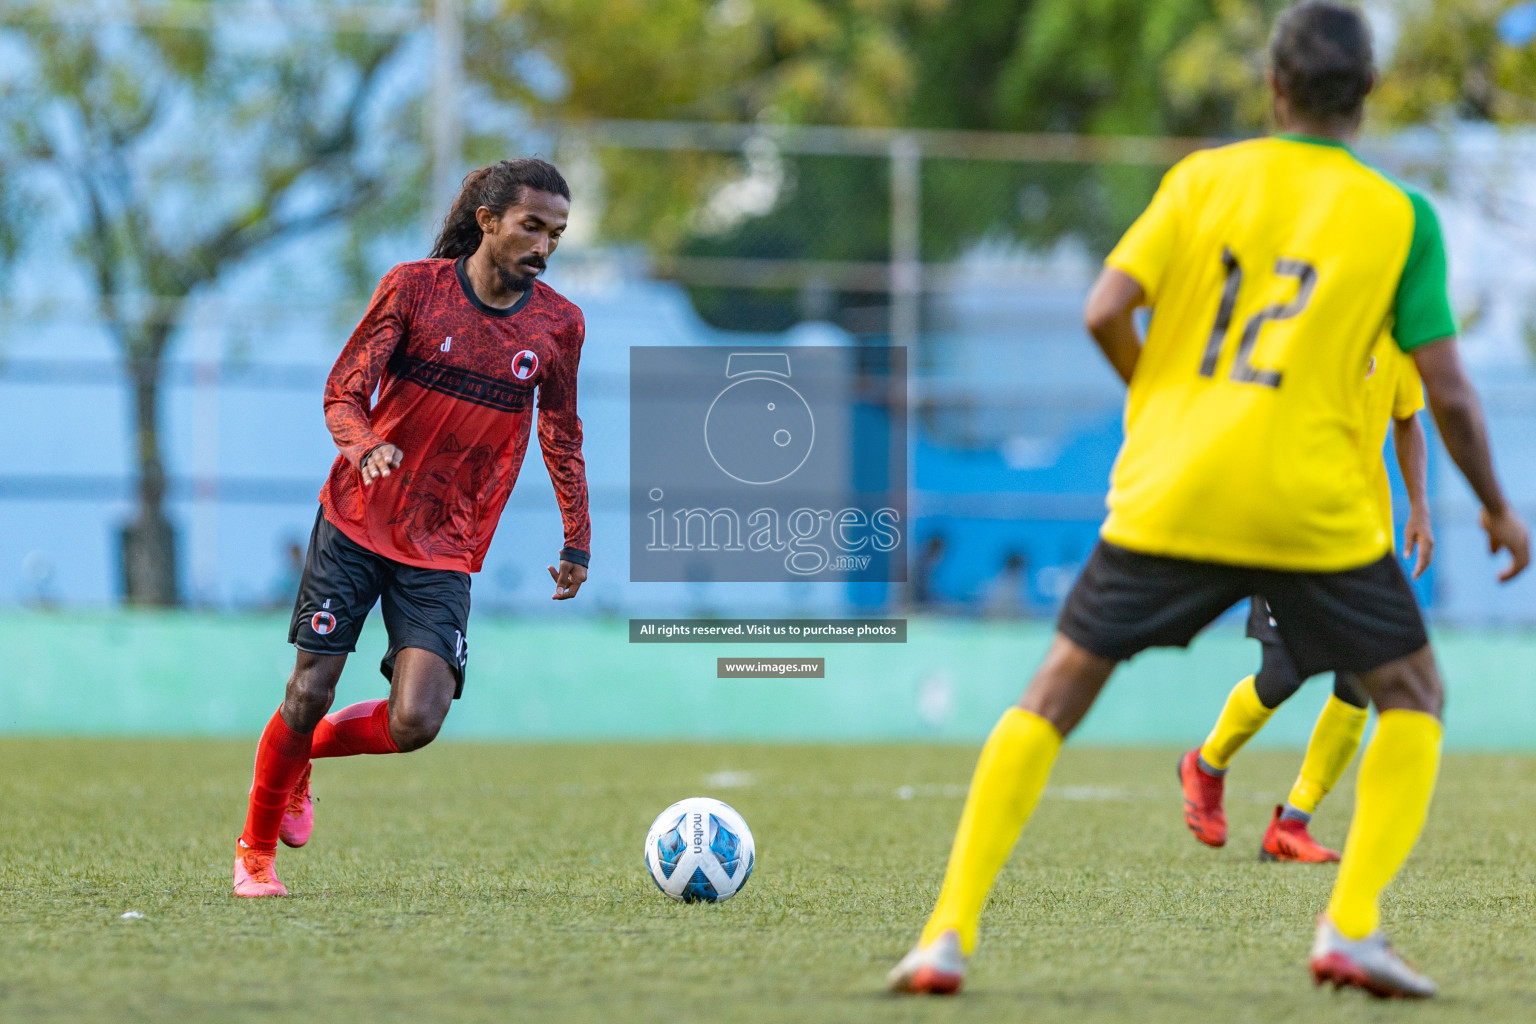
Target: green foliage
{"x":1109,"y":67}
{"x":1449,"y":62}
{"x":802,"y":61}
{"x":774,"y":61}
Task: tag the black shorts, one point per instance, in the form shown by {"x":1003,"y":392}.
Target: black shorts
{"x":1261,"y":622}
{"x":1277,"y":679}
{"x":1355,"y":620}
{"x":425,"y":608}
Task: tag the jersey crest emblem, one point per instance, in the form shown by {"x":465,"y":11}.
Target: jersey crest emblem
{"x":322,"y":622}
{"x":525,"y":364}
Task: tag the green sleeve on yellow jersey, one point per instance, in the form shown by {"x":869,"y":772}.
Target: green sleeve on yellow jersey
{"x":1421,"y":311}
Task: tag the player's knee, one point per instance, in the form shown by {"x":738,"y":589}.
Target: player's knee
{"x":1066,"y":684}
{"x":310,"y":691}
{"x":1408,"y":684}
{"x":413,"y":728}
{"x":1347,"y":688}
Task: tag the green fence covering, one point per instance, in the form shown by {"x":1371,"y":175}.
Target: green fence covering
{"x":191,"y":674}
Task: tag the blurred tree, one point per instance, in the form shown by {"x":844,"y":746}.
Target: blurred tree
{"x":166,"y":150}
{"x":845,"y":62}
{"x":1091,"y":66}
{"x":803,"y":61}
{"x":1449,"y":62}
{"x":770,"y":61}
{"x":1104,"y":67}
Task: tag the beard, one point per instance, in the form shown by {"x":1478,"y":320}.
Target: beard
{"x":520,"y":278}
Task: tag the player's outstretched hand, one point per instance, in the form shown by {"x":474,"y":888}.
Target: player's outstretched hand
{"x":379,"y":462}
{"x":1507,"y":533}
{"x":568,"y":579}
{"x":1417,"y":536}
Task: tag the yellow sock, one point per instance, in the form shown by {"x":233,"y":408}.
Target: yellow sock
{"x":1397,"y":779}
{"x":1009,"y":776}
{"x":1241,"y":718}
{"x":1335,"y":738}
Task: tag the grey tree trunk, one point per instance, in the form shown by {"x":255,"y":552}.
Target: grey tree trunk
{"x":149,"y":539}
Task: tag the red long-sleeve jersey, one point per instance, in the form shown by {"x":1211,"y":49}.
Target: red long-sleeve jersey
{"x":455,"y":381}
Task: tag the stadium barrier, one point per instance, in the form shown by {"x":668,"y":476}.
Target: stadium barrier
{"x":191,"y":674}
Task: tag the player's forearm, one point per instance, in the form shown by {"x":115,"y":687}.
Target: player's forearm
{"x":1413,"y":460}
{"x":560,"y":438}
{"x":1465,"y":435}
{"x":1108,"y":317}
{"x":358,"y":369}
{"x":351,"y":429}
{"x":1453,"y":402}
{"x":1121,"y":346}
{"x":569,"y":477}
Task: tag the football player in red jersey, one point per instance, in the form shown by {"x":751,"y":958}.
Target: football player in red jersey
{"x":456,"y":346}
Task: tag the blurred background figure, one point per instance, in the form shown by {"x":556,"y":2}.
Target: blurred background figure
{"x":925,"y":565}
{"x":1006,"y":595}
{"x":285,"y":588}
{"x":37,"y":572}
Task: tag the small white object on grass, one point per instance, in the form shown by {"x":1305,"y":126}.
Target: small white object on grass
{"x":730,"y":780}
{"x":132,"y":915}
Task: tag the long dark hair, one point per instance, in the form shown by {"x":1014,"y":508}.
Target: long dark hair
{"x":496,"y":188}
{"x":1321,"y":55}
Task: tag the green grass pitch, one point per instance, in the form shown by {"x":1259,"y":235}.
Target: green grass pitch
{"x":504,"y":883}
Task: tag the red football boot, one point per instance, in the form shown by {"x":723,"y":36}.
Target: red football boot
{"x":253,"y":876}
{"x":1288,"y":839}
{"x":1369,"y":963}
{"x":1203,"y":810}
{"x":935,"y":969}
{"x":299,"y":816}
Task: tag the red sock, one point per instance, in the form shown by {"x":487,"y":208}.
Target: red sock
{"x":280,"y":759}
{"x":359,"y":729}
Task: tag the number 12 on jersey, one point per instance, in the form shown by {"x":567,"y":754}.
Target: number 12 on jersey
{"x":1243,"y":371}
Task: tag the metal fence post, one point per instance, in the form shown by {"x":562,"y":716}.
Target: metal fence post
{"x":906,"y":233}
{"x":206,"y":461}
{"x":447,"y":121}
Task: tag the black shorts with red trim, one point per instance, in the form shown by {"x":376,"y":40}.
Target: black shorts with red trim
{"x":423,"y":608}
{"x":1353,"y":621}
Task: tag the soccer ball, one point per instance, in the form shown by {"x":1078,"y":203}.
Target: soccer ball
{"x":699,"y":850}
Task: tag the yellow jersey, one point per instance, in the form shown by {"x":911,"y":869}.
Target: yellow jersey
{"x":1272,"y":268}
{"x":1393,"y":391}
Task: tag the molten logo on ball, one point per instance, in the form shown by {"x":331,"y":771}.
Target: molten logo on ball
{"x":700,"y":850}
